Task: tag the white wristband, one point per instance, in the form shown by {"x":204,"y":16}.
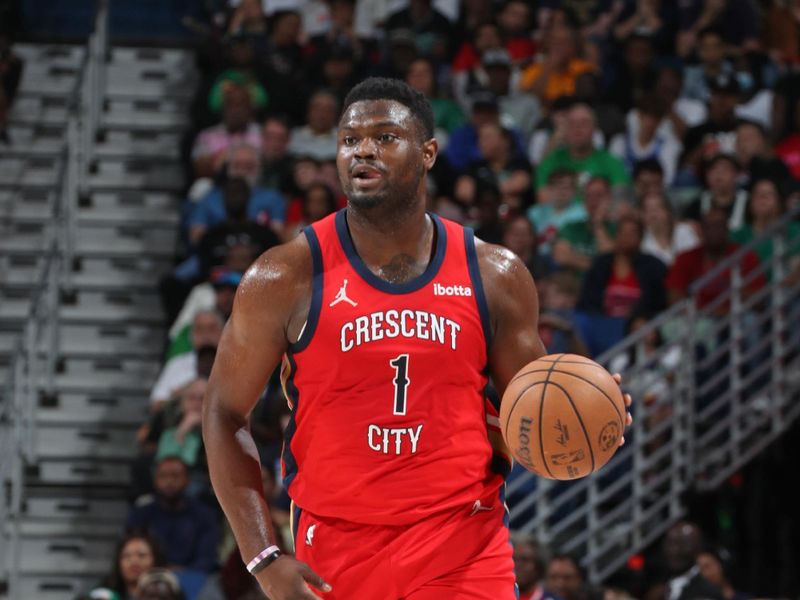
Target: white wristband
{"x":261,"y":556}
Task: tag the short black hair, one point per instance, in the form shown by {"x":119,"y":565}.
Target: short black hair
{"x":648,"y":165}
{"x":382,"y":88}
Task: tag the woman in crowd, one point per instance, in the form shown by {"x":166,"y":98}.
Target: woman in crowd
{"x":664,"y":238}
{"x":137,"y":553}
{"x":765,"y":208}
{"x":626,"y":281}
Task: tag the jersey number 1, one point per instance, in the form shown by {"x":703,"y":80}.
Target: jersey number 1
{"x":401,"y":382}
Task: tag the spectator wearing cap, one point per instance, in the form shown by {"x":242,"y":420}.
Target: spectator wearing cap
{"x":497,"y":74}
{"x":713,"y":64}
{"x":721,"y":191}
{"x":210,"y":150}
{"x":578,"y":242}
{"x":501,"y":167}
{"x":181,"y":366}
{"x":555,"y":75}
{"x":625,"y":281}
{"x":717,"y":134}
{"x":264,"y":206}
{"x":462,"y":148}
{"x":317,"y":139}
{"x":431,"y":29}
{"x":646,"y":137}
{"x":579,"y":154}
{"x":184,"y":527}
{"x":447,"y":115}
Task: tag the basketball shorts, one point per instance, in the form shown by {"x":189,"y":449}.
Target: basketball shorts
{"x":458,"y":555}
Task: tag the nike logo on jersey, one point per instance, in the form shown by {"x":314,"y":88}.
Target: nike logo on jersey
{"x":310,"y":534}
{"x":341,"y":296}
{"x":478,"y":507}
{"x":451,"y":290}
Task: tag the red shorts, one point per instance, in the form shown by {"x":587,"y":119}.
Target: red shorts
{"x":454,"y":555}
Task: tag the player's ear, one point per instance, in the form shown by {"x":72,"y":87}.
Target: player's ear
{"x":430,"y":150}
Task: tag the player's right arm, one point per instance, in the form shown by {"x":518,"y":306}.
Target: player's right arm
{"x":271,"y":306}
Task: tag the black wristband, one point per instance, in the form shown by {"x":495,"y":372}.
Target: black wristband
{"x":266,"y":562}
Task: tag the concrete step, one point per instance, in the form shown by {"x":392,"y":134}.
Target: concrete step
{"x":65,"y":555}
{"x":85,"y":473}
{"x":98,"y":408}
{"x":36,"y":586}
{"x":95,"y":441}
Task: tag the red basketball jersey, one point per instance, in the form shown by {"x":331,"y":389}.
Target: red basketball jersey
{"x":390,"y":422}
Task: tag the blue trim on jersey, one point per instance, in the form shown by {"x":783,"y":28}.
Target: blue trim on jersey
{"x":380,"y":284}
{"x":289,"y":461}
{"x":477,"y":285}
{"x":507,"y":525}
{"x":316,"y":293}
{"x":296,"y":522}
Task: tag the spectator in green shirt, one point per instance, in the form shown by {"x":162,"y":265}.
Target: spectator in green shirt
{"x":447,"y":115}
{"x":765,"y":208}
{"x":578,"y":242}
{"x":579,"y":154}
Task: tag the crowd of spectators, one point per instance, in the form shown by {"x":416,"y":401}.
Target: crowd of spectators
{"x":621,"y":148}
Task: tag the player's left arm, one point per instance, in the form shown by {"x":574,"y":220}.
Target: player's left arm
{"x":513,"y":314}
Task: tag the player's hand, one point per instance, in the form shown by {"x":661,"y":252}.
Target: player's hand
{"x":289,"y":579}
{"x":628,"y":400}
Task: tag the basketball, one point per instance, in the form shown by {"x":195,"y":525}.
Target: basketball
{"x":562,"y":416}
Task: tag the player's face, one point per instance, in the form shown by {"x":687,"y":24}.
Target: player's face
{"x":381,"y":155}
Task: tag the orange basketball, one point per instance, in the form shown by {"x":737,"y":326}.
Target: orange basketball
{"x":562,"y":416}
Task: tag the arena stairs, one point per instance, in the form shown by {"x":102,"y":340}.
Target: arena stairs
{"x":110,"y":323}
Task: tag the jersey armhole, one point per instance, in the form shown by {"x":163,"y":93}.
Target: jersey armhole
{"x":477,"y":285}
{"x":310,"y":325}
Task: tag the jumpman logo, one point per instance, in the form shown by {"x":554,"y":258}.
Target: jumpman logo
{"x":341,"y":296}
{"x":477,"y":507}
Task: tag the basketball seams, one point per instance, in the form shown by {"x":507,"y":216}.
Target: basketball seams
{"x":599,"y":389}
{"x":514,"y":405}
{"x":541,"y":412}
{"x":580,"y":420}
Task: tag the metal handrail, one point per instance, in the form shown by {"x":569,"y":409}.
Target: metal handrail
{"x":35,"y":354}
{"x":696,"y":433}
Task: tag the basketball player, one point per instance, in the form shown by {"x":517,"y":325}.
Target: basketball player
{"x":390,"y":321}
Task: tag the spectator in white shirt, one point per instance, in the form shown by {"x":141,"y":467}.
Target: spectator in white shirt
{"x":317,"y":140}
{"x":664,"y":238}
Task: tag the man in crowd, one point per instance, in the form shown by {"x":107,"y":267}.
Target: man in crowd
{"x":317,"y":139}
{"x":185,"y":529}
{"x":579,"y":154}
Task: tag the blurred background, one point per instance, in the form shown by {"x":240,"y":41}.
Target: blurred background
{"x":642,"y":157}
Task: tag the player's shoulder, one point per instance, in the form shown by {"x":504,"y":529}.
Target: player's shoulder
{"x":285,"y":269}
{"x":499,"y":265}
